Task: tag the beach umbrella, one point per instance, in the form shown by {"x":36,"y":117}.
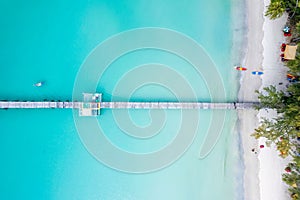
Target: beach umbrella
{"x":286,"y":29}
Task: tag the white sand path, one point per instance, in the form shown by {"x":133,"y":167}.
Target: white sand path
{"x":262,"y":175}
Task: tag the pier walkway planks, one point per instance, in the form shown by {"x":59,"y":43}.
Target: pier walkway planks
{"x":127,"y":105}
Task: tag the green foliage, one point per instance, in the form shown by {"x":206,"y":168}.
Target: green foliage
{"x":294,"y":65}
{"x":279,"y":133}
{"x":292,"y":8}
{"x":276,"y":9}
{"x":298,"y":26}
{"x":292,"y":179}
{"x":284,"y":131}
{"x":272,"y":99}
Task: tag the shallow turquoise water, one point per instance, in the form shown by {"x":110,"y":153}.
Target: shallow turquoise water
{"x":43,"y":156}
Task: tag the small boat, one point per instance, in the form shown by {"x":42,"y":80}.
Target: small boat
{"x":39,"y":84}
{"x":257,"y":73}
{"x":240,"y":68}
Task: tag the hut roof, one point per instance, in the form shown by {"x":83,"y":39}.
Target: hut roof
{"x":290,"y":52}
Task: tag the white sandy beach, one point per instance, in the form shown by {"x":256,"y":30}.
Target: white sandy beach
{"x":262,"y":176}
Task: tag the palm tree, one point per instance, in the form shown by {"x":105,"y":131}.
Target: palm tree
{"x":276,"y":9}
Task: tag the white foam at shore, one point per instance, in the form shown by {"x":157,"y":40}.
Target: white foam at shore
{"x":249,"y":83}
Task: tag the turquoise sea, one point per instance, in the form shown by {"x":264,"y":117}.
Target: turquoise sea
{"x":44,"y":152}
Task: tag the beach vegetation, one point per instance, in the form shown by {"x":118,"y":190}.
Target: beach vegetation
{"x":276,"y":9}
{"x":271,"y":98}
{"x":292,"y":177}
{"x":283,"y":131}
{"x":294,"y":65}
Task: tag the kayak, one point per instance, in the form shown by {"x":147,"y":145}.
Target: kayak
{"x":290,"y":76}
{"x":240,"y":68}
{"x":257,"y":73}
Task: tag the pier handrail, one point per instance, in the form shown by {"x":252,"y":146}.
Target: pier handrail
{"x":128,"y":105}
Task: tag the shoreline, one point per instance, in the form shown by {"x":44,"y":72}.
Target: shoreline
{"x":247,"y":119}
{"x":264,"y":37}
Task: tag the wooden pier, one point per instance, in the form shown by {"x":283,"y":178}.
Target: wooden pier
{"x":125,"y":105}
{"x":39,"y":104}
{"x":175,"y":105}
